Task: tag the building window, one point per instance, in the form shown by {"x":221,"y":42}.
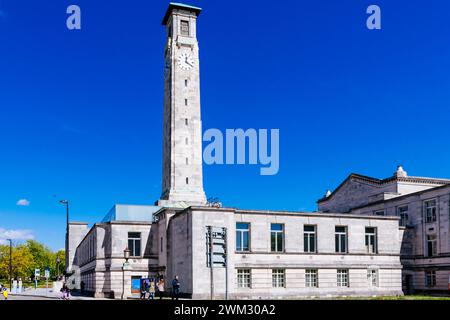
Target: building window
{"x":402,"y":212}
{"x":187,"y":161}
{"x":185,"y":102}
{"x":431,"y":245}
{"x":278,"y":278}
{"x":185,"y":82}
{"x":430,"y":278}
{"x":342,"y":278}
{"x":161,"y":244}
{"x":379,"y":213}
{"x":134,"y":244}
{"x":187,"y":180}
{"x":341,"y":239}
{"x":372,"y":277}
{"x":311,"y":278}
{"x":244,"y":278}
{"x":186,"y":121}
{"x":184,"y":27}
{"x":277,"y":237}
{"x":309,"y":239}
{"x":242,"y":236}
{"x":186,"y":141}
{"x":371,"y":240}
{"x":430,"y":211}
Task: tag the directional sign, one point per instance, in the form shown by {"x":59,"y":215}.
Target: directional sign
{"x":37,"y":272}
{"x":216,"y":246}
{"x":47,"y":273}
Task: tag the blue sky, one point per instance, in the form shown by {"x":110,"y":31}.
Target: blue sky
{"x":81,"y":111}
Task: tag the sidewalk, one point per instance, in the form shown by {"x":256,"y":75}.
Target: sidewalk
{"x":49,"y":294}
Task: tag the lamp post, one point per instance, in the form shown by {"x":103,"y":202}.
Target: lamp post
{"x":58,"y":260}
{"x":66,"y":203}
{"x":10,"y":264}
{"x":126,"y":255}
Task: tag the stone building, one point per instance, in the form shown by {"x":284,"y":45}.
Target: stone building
{"x":422,"y":205}
{"x":254,"y":254}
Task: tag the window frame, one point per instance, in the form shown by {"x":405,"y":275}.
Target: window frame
{"x":371,"y":275}
{"x":242,"y":231}
{"x":311,"y":278}
{"x":244,"y":278}
{"x":276,"y":232}
{"x":185,"y":23}
{"x":307,"y":239}
{"x":430,"y":216}
{"x":338,"y":239}
{"x":278,"y":277}
{"x":403,"y":222}
{"x":375,"y":240}
{"x":434,"y":245}
{"x":343,"y":274}
{"x":134,"y":240}
{"x":430,"y":278}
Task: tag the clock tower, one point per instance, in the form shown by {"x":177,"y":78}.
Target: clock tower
{"x":182,"y":183}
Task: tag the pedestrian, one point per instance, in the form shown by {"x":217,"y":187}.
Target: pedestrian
{"x":151,"y":289}
{"x":175,"y":288}
{"x":143,"y":289}
{"x":160,"y":286}
{"x":5,"y":293}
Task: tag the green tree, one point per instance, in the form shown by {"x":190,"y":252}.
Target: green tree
{"x":22,"y":262}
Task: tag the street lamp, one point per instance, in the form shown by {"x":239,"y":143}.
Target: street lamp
{"x":58,"y":260}
{"x":126,"y":255}
{"x":10,"y":264}
{"x":66,"y":203}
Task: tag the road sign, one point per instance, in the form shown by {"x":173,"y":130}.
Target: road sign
{"x":47,"y":273}
{"x":37,"y":272}
{"x":216,"y":246}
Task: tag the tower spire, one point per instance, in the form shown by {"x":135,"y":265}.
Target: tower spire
{"x":182,"y":138}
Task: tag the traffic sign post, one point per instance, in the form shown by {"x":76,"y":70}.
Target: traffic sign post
{"x":216,"y":254}
{"x":47,"y":275}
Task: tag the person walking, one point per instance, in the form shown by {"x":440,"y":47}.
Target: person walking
{"x":160,"y":286}
{"x":151,"y":289}
{"x":175,"y":288}
{"x":5,"y":293}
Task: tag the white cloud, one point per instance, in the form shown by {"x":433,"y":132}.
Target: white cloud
{"x":23,"y":203}
{"x":15,"y":235}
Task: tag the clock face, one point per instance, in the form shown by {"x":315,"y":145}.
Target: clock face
{"x":185,"y":61}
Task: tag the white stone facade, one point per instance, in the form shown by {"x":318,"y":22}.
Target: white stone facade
{"x":175,"y":244}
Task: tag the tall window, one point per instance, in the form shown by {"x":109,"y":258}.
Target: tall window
{"x":134,"y":244}
{"x":278,"y":278}
{"x":341,"y":239}
{"x":242,"y":236}
{"x":371,"y":240}
{"x":430,"y":211}
{"x":430,"y":278}
{"x":277,"y":237}
{"x":184,"y":27}
{"x":431,"y":245}
{"x":244,"y":278}
{"x":402,"y":212}
{"x":311,"y":278}
{"x":309,"y":238}
{"x":372,"y":277}
{"x":342,"y":278}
